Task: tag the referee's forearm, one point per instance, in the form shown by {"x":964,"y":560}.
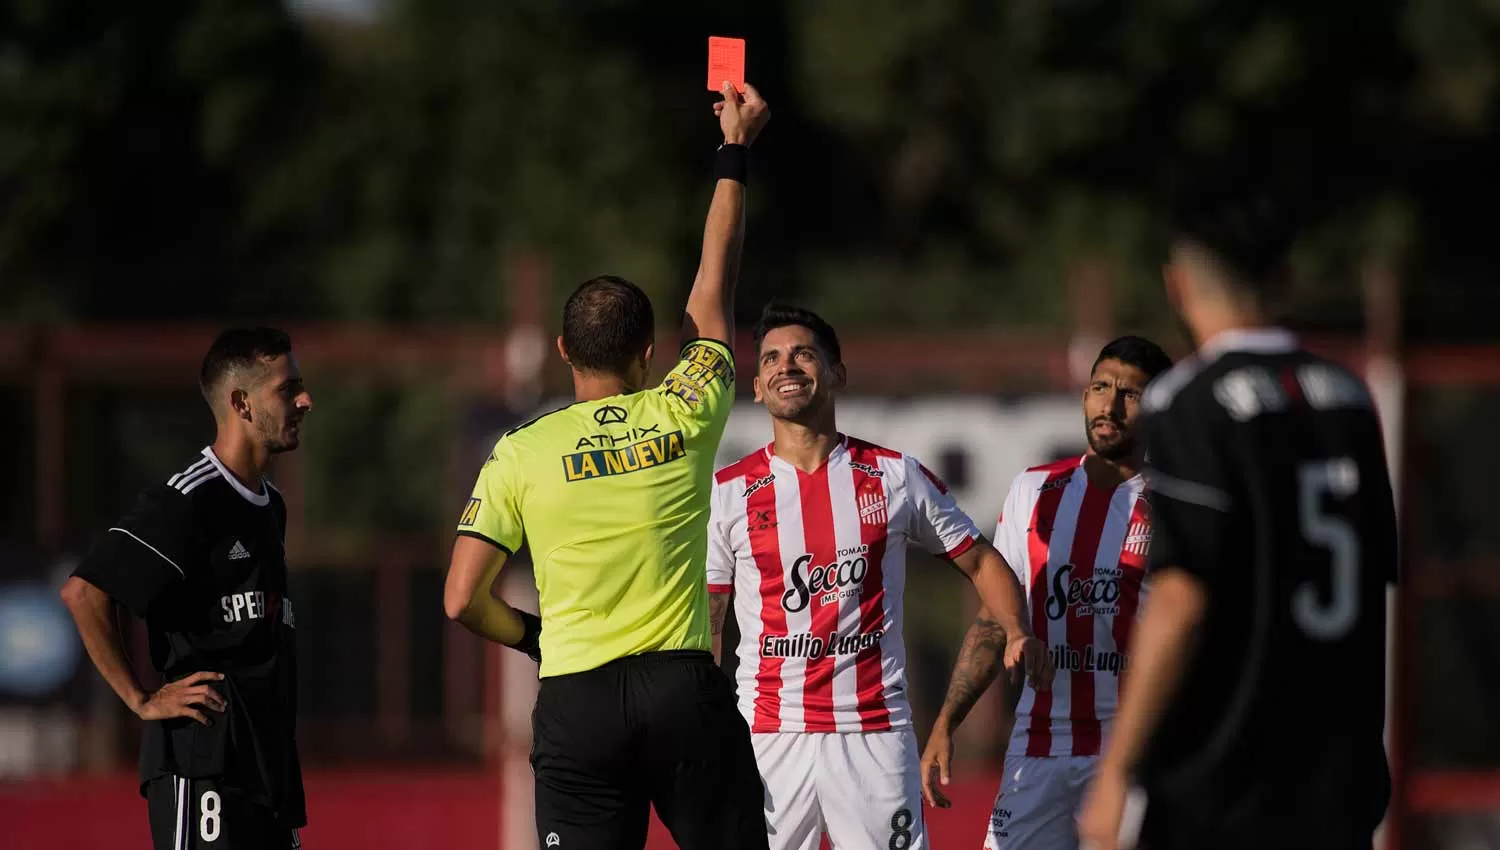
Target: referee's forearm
{"x":493,"y":620}
{"x":710,"y":305}
{"x":724,"y":235}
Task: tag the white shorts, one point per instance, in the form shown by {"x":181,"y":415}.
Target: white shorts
{"x":1038,"y":803}
{"x":862,"y":788}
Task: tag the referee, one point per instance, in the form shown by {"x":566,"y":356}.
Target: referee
{"x":611,"y":494}
{"x":200,"y":558}
{"x":1254,"y":712}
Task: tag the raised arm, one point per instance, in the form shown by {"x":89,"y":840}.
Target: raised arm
{"x":710,"y":304}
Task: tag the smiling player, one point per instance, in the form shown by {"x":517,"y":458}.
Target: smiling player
{"x":810,"y":535}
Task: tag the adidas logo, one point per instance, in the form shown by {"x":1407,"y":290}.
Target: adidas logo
{"x":239,"y":552}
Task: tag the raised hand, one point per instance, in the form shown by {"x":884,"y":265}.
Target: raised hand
{"x":741,"y":117}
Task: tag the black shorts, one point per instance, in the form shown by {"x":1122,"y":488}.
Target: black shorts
{"x":656,"y":729}
{"x":201,"y":814}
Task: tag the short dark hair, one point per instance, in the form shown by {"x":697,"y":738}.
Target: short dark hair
{"x":239,"y":348}
{"x":607,"y":324}
{"x":1136,"y":351}
{"x":779,"y":315}
{"x":1247,"y":228}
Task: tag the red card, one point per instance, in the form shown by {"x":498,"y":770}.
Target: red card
{"x":726,"y":61}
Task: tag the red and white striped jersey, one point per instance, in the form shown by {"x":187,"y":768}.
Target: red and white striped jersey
{"x":1080,"y":552}
{"x":817,"y":564}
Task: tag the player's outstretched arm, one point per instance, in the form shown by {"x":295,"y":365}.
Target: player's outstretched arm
{"x":94,"y":613}
{"x":1159,"y":649}
{"x":710,"y":304}
{"x":979,"y":661}
{"x":467,"y":598}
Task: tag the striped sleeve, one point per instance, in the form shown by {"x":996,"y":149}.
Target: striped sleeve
{"x":941,"y":525}
{"x":720,"y":552}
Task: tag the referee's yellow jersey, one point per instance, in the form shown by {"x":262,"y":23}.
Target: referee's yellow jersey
{"x":612,"y":497}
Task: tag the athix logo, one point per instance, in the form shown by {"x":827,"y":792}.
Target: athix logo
{"x":828,"y":582}
{"x":553,"y":840}
{"x":609,"y":415}
{"x":1098,"y":594}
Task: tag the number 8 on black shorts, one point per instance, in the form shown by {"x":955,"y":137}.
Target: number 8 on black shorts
{"x":201,"y":814}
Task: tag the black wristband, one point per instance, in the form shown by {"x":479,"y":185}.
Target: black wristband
{"x":732,"y":163}
{"x":531,"y":636}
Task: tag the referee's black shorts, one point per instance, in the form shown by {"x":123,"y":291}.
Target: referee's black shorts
{"x":659,"y":728}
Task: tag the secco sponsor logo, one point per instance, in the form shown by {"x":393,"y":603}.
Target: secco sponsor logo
{"x":1097,"y":594}
{"x":829,"y":582}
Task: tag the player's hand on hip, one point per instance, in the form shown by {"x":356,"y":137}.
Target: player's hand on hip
{"x":184,"y":697}
{"x":1028,"y":653}
{"x":936,"y":758}
{"x":741,"y":117}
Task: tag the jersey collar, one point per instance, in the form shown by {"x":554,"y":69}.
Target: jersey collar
{"x":262,"y":498}
{"x":1255,"y":340}
{"x":841,"y":447}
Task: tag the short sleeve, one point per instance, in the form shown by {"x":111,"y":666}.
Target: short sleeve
{"x":145,"y":553}
{"x":700,"y":388}
{"x":720,"y":552}
{"x":941,"y":527}
{"x":493,"y":512}
{"x":1010,"y":530}
{"x":1189,"y":489}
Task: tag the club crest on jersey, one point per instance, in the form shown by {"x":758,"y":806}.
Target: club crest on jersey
{"x":872,"y":508}
{"x":1138,"y":538}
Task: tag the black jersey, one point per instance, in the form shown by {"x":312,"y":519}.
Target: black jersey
{"x":1269,"y":484}
{"x":201,"y":559}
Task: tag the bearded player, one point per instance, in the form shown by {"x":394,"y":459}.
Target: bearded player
{"x":1076,"y":533}
{"x":809,"y":535}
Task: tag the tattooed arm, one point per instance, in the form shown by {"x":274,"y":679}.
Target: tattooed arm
{"x":980,"y":661}
{"x":718,"y":609}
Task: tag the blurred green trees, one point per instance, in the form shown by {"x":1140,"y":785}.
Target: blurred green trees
{"x":228,"y":158}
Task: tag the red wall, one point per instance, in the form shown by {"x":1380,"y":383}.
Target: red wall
{"x":408,"y":810}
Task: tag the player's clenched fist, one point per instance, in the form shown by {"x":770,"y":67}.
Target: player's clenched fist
{"x":177,"y":699}
{"x":741,"y":117}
